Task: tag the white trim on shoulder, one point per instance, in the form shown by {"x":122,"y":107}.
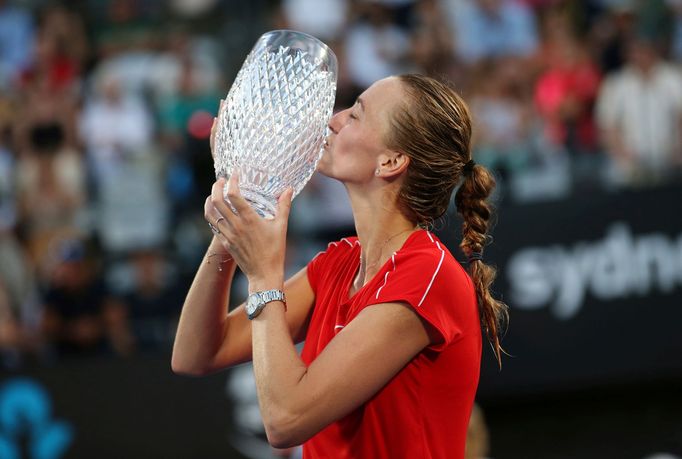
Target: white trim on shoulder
{"x":442,"y":256}
{"x":331,"y":244}
{"x":347,"y":241}
{"x":386,"y":277}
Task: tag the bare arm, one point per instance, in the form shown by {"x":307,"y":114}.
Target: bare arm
{"x":208,"y":339}
{"x":203,"y":320}
{"x":202,"y":329}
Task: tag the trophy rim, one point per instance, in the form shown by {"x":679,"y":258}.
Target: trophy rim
{"x":334,"y":61}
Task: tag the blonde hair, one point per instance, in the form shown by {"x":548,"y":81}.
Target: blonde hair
{"x":434,"y":130}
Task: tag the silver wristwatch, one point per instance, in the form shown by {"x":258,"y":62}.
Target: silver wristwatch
{"x":257,"y":301}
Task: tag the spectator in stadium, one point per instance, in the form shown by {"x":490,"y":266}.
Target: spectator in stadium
{"x":432,"y":48}
{"x":153,"y":301}
{"x":61,"y":50}
{"x":114,"y":125}
{"x":80,"y":317}
{"x":639,"y":112}
{"x":50,"y":188}
{"x":117,"y":128}
{"x":503,"y":114}
{"x":375,"y":47}
{"x":324,"y":19}
{"x":565,"y":93}
{"x":17,"y":35}
{"x":492,"y":28}
{"x":478,"y":436}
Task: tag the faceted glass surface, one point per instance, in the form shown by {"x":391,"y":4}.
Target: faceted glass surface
{"x":274,"y":120}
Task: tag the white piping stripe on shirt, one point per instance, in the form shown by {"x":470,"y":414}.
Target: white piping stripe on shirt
{"x":347,"y":241}
{"x":339,"y":326}
{"x":386,"y":276}
{"x":442,"y":256}
{"x":324,"y":251}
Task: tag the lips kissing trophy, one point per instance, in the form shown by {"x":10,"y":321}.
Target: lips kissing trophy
{"x":273,"y":123}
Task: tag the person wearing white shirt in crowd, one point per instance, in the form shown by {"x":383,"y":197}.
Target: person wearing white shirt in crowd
{"x":639,"y":114}
{"x":117,"y":129}
{"x":114,"y":125}
{"x":324,"y":19}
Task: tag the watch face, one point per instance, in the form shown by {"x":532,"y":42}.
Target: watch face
{"x":252,"y":303}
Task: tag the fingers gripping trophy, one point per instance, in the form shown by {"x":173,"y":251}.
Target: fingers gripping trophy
{"x":273,"y":123}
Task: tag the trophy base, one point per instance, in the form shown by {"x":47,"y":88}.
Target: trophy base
{"x":265,"y":206}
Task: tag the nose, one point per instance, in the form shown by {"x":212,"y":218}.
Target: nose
{"x":336,"y":122}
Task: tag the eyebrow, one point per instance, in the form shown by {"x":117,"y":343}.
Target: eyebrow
{"x":360,"y":102}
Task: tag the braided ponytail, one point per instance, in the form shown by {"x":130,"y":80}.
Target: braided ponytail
{"x":434,"y":130}
{"x":472,"y":205}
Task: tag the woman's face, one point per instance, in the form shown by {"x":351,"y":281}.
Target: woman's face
{"x":355,"y":146}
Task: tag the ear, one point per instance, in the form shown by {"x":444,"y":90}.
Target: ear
{"x":392,"y":164}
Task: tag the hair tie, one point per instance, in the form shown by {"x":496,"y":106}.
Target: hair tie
{"x":469,"y":167}
{"x":473,"y":256}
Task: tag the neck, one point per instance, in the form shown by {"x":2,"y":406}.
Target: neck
{"x":381,"y":228}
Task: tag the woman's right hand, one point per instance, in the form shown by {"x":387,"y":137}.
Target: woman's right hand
{"x":257,"y":244}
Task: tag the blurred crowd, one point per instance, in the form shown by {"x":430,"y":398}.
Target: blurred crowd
{"x":106,"y":108}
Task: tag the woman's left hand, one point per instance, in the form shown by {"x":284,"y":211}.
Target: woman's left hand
{"x":258,"y":245}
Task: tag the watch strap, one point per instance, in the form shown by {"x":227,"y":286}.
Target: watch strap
{"x":272,"y":295}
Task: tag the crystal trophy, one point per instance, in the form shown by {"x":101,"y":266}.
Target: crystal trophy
{"x":273,"y":123}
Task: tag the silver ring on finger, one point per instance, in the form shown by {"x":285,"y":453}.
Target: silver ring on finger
{"x":215,"y":230}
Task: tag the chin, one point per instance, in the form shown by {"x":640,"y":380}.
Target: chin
{"x":323,"y":165}
{"x":323,"y":171}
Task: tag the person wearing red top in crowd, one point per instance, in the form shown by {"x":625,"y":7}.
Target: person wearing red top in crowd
{"x":565,"y":95}
{"x":391,"y":321}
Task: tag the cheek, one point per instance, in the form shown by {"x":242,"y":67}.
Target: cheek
{"x":344,"y":144}
{"x":353,"y":141}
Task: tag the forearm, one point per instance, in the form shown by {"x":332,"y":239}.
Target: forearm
{"x":203,"y":321}
{"x":278,"y":371}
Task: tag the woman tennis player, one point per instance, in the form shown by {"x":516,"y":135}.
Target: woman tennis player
{"x":391,"y":321}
